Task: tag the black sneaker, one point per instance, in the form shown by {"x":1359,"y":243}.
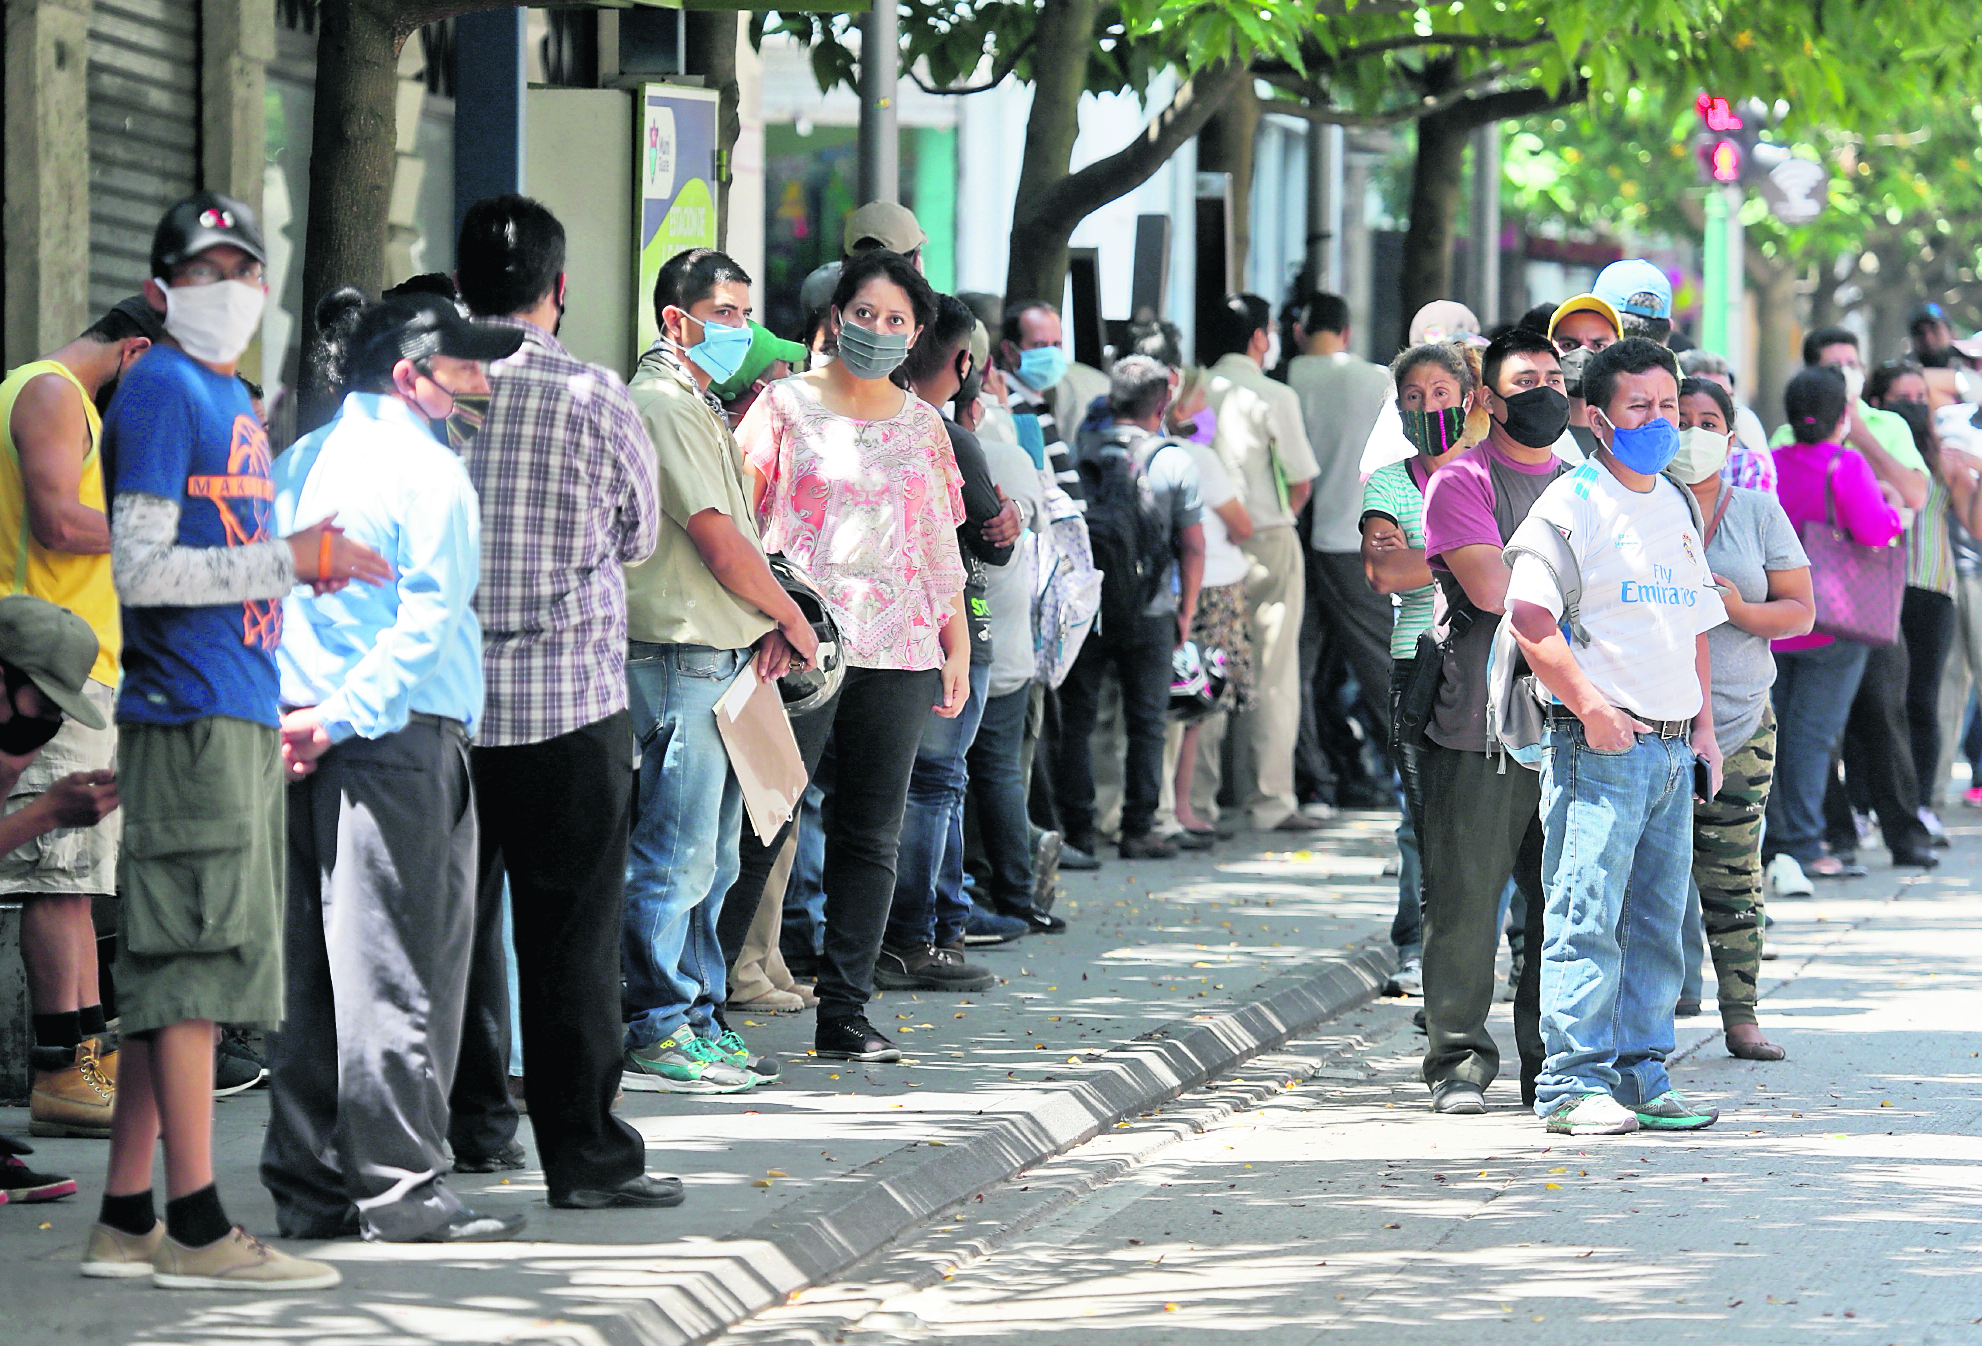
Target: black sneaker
{"x":1037,"y":921}
{"x":509,"y":1156}
{"x":1147,"y":847}
{"x":647,"y":1190}
{"x":929,"y":969}
{"x":235,"y":1069}
{"x":852,"y":1039}
{"x":19,"y":1183}
{"x":1077,"y":858}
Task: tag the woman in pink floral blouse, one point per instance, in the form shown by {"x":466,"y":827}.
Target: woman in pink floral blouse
{"x":855,"y":483}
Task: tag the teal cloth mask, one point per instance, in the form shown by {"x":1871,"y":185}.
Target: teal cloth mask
{"x":1042,"y":367}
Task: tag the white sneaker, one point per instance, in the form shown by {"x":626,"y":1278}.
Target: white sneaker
{"x":1591,"y":1115}
{"x":1409,"y":979}
{"x":1932,"y":822}
{"x":1787,"y":879}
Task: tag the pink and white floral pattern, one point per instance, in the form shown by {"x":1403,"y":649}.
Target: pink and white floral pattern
{"x":869,"y":509}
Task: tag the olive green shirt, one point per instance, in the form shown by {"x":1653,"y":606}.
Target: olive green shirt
{"x":671,"y":597}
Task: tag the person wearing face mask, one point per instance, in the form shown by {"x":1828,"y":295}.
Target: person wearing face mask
{"x":853,"y":479}
{"x":55,"y":536}
{"x":48,"y":658}
{"x":1581,"y":326}
{"x":382,"y":689}
{"x":1764,"y":580}
{"x":200,"y":575}
{"x":565,"y":474}
{"x":1879,"y":436}
{"x":1629,"y":716}
{"x":1034,"y":362}
{"x":1436,"y":391}
{"x":700,"y":608}
{"x":1262,"y":442}
{"x":1479,"y":821}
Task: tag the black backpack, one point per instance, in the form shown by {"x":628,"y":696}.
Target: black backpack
{"x":1126,"y":528}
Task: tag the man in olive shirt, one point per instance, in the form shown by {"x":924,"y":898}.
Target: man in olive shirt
{"x":695,"y":610}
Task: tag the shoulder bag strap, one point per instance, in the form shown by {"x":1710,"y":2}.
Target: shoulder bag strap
{"x":1720,"y":512}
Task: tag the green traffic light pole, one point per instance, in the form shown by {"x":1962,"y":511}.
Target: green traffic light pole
{"x":1713,"y":274}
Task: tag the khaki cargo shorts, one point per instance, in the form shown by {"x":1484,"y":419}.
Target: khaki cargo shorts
{"x":202,"y":875}
{"x":69,"y":859}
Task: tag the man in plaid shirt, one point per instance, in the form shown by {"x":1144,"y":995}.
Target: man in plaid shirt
{"x":567,"y":482}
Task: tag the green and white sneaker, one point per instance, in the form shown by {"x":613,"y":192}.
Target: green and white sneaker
{"x":1670,"y":1112}
{"x":682,"y":1064}
{"x":1592,"y":1114}
{"x":763,"y":1069}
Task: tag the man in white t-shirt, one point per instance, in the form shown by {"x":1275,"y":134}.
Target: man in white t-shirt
{"x":1618,"y":781}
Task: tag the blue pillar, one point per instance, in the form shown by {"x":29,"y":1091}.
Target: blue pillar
{"x":488,"y":107}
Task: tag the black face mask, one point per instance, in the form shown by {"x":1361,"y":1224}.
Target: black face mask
{"x":103,"y":396}
{"x":23,"y":734}
{"x":1939,"y":359}
{"x":1536,"y":418}
{"x":1573,"y":365}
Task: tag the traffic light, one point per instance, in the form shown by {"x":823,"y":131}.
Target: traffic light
{"x":1723,"y":146}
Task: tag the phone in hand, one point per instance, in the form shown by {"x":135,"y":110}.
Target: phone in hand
{"x":1703,"y":780}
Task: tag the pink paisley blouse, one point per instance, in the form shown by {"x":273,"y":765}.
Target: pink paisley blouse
{"x":869,"y":509}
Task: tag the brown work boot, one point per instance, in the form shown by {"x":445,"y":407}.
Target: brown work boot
{"x":74,"y":1100}
{"x":238,"y":1262}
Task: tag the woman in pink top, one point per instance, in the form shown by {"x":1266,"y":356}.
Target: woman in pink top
{"x":855,"y":483}
{"x":1817,"y":676}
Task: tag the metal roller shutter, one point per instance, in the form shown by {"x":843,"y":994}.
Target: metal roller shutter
{"x":144,"y":133}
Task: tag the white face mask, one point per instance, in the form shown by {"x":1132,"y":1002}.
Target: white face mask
{"x":1271,"y":360}
{"x":1702,"y":454}
{"x":214,"y":323}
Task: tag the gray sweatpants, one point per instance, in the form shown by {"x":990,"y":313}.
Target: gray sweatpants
{"x":382,"y":852}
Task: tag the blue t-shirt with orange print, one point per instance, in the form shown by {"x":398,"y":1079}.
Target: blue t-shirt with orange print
{"x":179,"y":431}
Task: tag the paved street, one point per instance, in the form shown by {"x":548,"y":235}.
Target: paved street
{"x":1841,"y":1192}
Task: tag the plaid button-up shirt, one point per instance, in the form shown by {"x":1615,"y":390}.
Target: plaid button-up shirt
{"x":567,"y":481}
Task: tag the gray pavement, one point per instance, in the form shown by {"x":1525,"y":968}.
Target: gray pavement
{"x":1172,"y":970}
{"x":1313,"y":1197}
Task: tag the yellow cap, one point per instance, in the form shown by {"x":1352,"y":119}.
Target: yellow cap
{"x":1585,"y":303}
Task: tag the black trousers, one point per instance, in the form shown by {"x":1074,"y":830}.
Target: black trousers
{"x":1877,"y":752}
{"x":1928,"y":619}
{"x":1140,"y":657}
{"x":554,"y":818}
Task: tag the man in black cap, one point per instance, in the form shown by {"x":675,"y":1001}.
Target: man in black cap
{"x":55,"y":545}
{"x":200,"y":575}
{"x":381,"y":689}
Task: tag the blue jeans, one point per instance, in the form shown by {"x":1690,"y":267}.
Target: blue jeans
{"x":1617,"y":856}
{"x":1813,"y":695}
{"x":998,"y":799}
{"x":681,"y":857}
{"x":802,"y":932}
{"x":932,"y":828}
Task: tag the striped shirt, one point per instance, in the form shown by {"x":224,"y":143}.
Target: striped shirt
{"x":567,"y":480}
{"x":1929,"y":553}
{"x":1059,"y":457}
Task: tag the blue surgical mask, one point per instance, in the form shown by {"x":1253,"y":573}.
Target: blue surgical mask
{"x":720,"y":352}
{"x":1042,"y":367}
{"x":1647,"y":449}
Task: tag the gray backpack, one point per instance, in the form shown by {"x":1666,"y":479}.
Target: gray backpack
{"x":1517,"y":715}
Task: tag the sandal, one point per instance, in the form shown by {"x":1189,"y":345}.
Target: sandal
{"x":1759,"y":1050}
{"x":1831,"y":867}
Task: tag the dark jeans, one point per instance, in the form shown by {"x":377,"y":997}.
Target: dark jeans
{"x":1345,"y":623}
{"x":1813,"y":694}
{"x":1141,"y":658}
{"x":924,"y":914}
{"x":1407,"y":926}
{"x":997,"y":799}
{"x":1878,"y":759}
{"x":1927,"y":622}
{"x":381,"y":910}
{"x":1482,"y":826}
{"x":554,"y":818}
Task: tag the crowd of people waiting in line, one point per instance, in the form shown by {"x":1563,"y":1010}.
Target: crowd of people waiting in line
{"x":416,"y":763}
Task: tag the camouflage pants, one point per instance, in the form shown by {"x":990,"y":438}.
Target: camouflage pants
{"x":1727,"y":864}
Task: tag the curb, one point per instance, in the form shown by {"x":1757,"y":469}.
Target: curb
{"x":808,"y":1243}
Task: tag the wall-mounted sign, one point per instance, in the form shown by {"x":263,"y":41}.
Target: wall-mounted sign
{"x":676,"y":186}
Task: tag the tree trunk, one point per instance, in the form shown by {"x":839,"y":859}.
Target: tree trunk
{"x":1037,"y":268}
{"x":1438,"y":181}
{"x":712,"y":54}
{"x":351,"y":167}
{"x":1228,"y":144}
{"x":1776,"y":355}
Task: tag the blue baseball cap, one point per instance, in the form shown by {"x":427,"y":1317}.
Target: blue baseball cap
{"x":1635,"y":287}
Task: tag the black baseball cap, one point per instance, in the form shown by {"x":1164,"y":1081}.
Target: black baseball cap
{"x":201,"y":221}
{"x":419,"y":326}
{"x":1925,"y":314}
{"x":150,"y":322}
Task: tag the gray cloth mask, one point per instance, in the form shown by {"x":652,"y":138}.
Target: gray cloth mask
{"x":870,"y":355}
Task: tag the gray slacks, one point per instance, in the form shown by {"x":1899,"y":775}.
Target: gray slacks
{"x":382,"y":855}
{"x":1482,"y":826}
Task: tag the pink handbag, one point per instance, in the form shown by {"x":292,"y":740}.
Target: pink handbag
{"x":1858,"y":589}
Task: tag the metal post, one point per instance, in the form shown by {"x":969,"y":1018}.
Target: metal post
{"x":1713,"y":275}
{"x":1324,"y":250}
{"x":880,"y":72}
{"x":488,"y":107}
{"x":1485,"y":270}
{"x":1733,"y":287}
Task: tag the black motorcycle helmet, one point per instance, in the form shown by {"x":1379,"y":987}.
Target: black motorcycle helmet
{"x":805,"y":692}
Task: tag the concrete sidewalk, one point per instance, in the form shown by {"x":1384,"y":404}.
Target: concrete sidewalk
{"x":1171,"y":972}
